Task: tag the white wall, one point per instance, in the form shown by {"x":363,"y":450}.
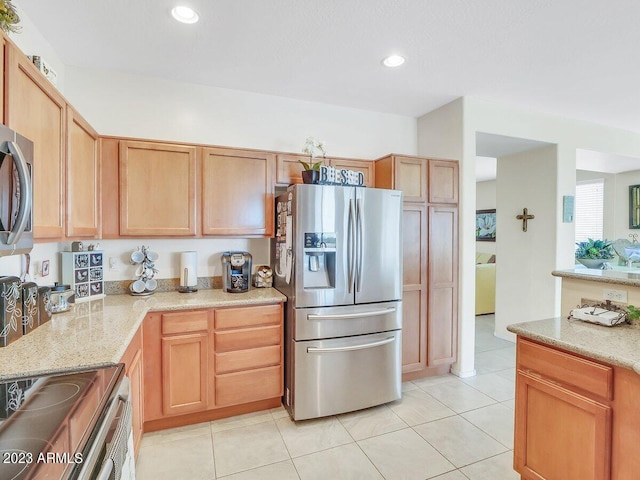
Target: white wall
{"x":485,"y":200}
{"x":137,"y":106}
{"x":147,"y":107}
{"x":31,"y":42}
{"x":441,"y":135}
{"x":525,"y":259}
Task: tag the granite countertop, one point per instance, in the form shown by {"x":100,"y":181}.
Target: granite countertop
{"x":603,"y":276}
{"x":97,"y":333}
{"x":619,"y":345}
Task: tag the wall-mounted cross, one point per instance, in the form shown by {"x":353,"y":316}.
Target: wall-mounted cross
{"x":524,"y":217}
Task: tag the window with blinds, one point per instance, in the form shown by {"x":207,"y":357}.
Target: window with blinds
{"x":589,"y":214}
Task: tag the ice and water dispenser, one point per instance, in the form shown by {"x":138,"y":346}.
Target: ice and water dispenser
{"x":319,"y":260}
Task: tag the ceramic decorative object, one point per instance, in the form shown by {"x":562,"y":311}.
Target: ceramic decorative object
{"x":592,"y":262}
{"x":145,"y":259}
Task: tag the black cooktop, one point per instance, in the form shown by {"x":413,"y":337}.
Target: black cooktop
{"x":46,"y":422}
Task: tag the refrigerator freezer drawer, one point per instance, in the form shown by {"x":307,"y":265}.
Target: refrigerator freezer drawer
{"x":345,"y":374}
{"x":331,"y":322}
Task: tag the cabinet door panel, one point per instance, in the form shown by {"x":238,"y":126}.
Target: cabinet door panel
{"x":83,"y":178}
{"x":184,"y":373}
{"x":237,"y":192}
{"x":443,"y":181}
{"x":560,"y":434}
{"x":248,"y":386}
{"x":411,"y":177}
{"x":247,"y":338}
{"x":36,"y":110}
{"x":443,"y":285}
{"x":414,"y":338}
{"x":247,"y":359}
{"x":248,"y":316}
{"x":364,"y":166}
{"x":157,"y":189}
{"x":289,"y":169}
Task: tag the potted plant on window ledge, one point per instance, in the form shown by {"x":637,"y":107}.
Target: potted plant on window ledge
{"x":593,"y":253}
{"x":311,"y":172}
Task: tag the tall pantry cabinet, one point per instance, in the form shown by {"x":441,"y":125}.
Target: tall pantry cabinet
{"x":430,"y":259}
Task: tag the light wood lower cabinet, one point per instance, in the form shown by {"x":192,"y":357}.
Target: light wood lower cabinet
{"x":430,"y":260}
{"x":442,"y":337}
{"x":184,"y":373}
{"x":210,"y":363}
{"x":248,"y":345}
{"x":132,"y":359}
{"x":573,"y":417}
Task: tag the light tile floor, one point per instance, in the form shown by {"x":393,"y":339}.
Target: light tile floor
{"x":445,"y":428}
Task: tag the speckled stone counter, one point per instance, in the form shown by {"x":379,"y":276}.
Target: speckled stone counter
{"x":97,"y":333}
{"x":615,"y":277}
{"x":619,"y":345}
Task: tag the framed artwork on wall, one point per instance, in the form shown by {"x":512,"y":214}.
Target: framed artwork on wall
{"x":486,"y":225}
{"x":634,"y":206}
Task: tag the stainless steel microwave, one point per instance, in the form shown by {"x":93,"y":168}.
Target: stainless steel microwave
{"x":16,"y":193}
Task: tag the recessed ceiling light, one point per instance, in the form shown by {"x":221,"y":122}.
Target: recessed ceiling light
{"x":393,"y":61}
{"x":185,"y":14}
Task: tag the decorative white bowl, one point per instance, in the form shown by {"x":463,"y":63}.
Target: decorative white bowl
{"x":592,"y":262}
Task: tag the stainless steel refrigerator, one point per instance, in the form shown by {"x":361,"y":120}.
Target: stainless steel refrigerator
{"x":337,"y":256}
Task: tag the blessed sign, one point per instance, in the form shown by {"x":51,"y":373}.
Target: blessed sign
{"x":340,"y":176}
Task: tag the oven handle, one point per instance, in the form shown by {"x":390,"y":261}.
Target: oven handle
{"x":342,"y":316}
{"x":352,"y":347}
{"x":105,"y":471}
{"x":116,"y":406}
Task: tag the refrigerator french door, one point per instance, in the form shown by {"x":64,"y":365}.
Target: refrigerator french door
{"x":337,"y":257}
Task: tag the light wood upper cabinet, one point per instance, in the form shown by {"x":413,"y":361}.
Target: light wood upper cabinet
{"x":36,"y":110}
{"x":157,"y":189}
{"x":237,"y":192}
{"x":365,"y":166}
{"x":408,"y":174}
{"x":83,"y":178}
{"x":443,"y":181}
{"x":289,"y":169}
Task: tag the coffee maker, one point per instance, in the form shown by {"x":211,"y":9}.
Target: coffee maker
{"x":236,"y":271}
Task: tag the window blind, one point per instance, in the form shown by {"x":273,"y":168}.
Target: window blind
{"x":589,"y":205}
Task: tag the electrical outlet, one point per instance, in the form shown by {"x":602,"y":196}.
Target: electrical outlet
{"x":619,"y":296}
{"x":113,"y":263}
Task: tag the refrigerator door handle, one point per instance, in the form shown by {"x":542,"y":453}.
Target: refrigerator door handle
{"x":351,"y":234}
{"x":340,"y":316}
{"x":359,"y":245}
{"x":351,"y":347}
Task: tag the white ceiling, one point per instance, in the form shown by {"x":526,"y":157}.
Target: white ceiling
{"x":575,"y":58}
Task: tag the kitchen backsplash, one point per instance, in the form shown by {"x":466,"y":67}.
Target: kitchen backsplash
{"x":119,"y":251}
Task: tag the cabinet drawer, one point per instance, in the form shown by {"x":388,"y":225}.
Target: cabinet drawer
{"x":247,"y":338}
{"x":568,"y":369}
{"x":246,"y":359}
{"x":249,"y":386}
{"x":248,"y":316}
{"x":184,"y":322}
